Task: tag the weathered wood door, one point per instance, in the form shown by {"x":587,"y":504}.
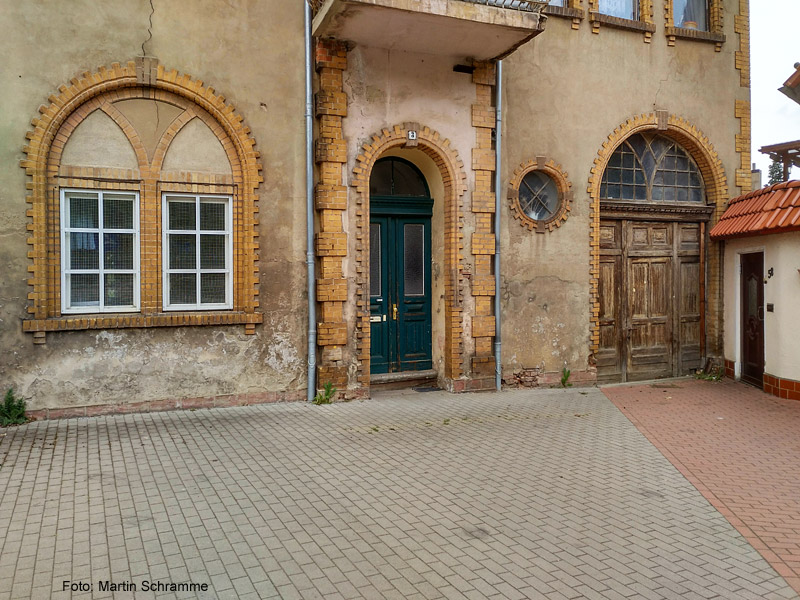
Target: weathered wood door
{"x":650,"y":300}
{"x":753,"y":318}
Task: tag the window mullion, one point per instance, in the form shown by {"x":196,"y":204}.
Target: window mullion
{"x":197,"y":250}
{"x":102,"y":249}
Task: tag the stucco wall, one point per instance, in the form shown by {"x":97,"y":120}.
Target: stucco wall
{"x":252,"y":53}
{"x":565,"y":93}
{"x":781,"y":327}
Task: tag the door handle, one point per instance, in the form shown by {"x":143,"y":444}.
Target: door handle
{"x":394,"y":312}
{"x":760,"y":313}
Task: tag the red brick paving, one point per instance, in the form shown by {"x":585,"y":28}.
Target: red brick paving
{"x":739,"y":447}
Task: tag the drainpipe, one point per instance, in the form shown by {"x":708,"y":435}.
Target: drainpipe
{"x":312,"y":277}
{"x":497,"y":200}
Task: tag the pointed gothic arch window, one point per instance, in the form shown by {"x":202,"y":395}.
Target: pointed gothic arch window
{"x":652,"y":168}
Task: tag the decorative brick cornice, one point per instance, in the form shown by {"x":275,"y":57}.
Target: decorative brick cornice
{"x":454,"y":178}
{"x":142,"y":78}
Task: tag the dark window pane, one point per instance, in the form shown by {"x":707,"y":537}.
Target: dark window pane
{"x":117,"y":212}
{"x":84,"y":289}
{"x":212,"y":288}
{"x":182,"y":251}
{"x":212,"y":216}
{"x":414,"y":260}
{"x":627,"y":192}
{"x":658,"y":193}
{"x":696,"y":195}
{"x":182,"y":215}
{"x":669,"y":194}
{"x":408,"y":181}
{"x":627,"y":176}
{"x":683,"y":194}
{"x":628,"y":161}
{"x":182,"y":288}
{"x":118,"y":251}
{"x":83,"y":212}
{"x":380,"y":180}
{"x":641,"y":193}
{"x":84,"y":251}
{"x":118,"y":289}
{"x":212,"y":251}
{"x":374,"y":259}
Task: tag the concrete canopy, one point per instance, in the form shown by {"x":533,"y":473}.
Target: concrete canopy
{"x":445,"y":28}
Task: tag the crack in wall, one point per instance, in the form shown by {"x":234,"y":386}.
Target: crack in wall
{"x":149,"y":28}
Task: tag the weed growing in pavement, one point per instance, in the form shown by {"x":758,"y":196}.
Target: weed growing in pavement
{"x":12,"y":410}
{"x":325,"y":396}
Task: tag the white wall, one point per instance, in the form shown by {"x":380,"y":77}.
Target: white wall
{"x":781,"y":327}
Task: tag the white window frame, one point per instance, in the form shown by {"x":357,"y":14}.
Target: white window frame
{"x":198,"y":199}
{"x":66,"y":269}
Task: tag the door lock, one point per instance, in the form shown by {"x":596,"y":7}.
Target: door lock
{"x":394,"y":312}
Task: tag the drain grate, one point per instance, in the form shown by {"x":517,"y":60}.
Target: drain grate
{"x":425,"y":389}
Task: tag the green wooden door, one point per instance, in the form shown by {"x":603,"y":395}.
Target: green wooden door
{"x":400,"y":282}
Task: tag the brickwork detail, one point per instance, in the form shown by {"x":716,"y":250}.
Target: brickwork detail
{"x":645,"y":23}
{"x":331,"y":204}
{"x":46,"y":142}
{"x":788,"y":389}
{"x":561,"y":179}
{"x":451,"y":168}
{"x":741,"y":25}
{"x":716,"y":187}
{"x":483,"y":207}
{"x":743,"y":173}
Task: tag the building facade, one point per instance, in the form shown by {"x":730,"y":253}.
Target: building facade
{"x":154,"y":236}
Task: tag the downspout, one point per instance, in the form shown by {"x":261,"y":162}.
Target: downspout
{"x":312,"y":277}
{"x":498,"y":178}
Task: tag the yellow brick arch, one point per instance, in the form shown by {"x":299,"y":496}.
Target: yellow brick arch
{"x":451,"y":168}
{"x":141,"y":78}
{"x":701,"y":150}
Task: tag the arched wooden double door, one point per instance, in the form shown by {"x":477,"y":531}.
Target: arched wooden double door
{"x":400,"y":268}
{"x":652,"y":254}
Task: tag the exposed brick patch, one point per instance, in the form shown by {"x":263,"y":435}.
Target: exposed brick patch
{"x":168,"y":404}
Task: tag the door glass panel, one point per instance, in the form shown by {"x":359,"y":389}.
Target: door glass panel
{"x":374,"y":259}
{"x":413,"y":260}
{"x":752,"y":297}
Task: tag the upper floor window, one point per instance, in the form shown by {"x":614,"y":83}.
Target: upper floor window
{"x":99,"y":251}
{"x":652,"y":168}
{"x":624,"y":9}
{"x":691,"y":14}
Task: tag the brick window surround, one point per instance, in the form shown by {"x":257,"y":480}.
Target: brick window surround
{"x":715,"y":22}
{"x":142,"y":78}
{"x":716,"y":186}
{"x":565,"y":195}
{"x":644,"y":23}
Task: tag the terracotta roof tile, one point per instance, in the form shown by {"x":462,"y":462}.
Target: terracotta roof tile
{"x":774,"y":209}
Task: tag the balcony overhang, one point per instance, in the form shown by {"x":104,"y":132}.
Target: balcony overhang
{"x":456,"y":28}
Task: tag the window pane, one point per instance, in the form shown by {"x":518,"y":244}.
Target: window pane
{"x":380,"y":180}
{"x":691,"y":14}
{"x":118,"y":251}
{"x":182,"y":251}
{"x":83,"y":212}
{"x":407,"y":181}
{"x":212,"y":216}
{"x":118,"y":289}
{"x":182,"y":288}
{"x":83,"y":251}
{"x":625,"y":9}
{"x":182,"y":215}
{"x":374,"y":259}
{"x":84,"y":289}
{"x":538,"y":195}
{"x":117,"y":212}
{"x":212,"y":288}
{"x":212,"y":251}
{"x":414,"y":260}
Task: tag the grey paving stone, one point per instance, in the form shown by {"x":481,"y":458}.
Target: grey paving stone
{"x":514,"y":497}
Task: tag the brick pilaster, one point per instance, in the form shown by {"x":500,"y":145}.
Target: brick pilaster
{"x":483,"y":206}
{"x":330,"y":154}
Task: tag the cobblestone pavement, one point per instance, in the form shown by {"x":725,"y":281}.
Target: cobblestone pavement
{"x":739,"y":446}
{"x":548,"y":494}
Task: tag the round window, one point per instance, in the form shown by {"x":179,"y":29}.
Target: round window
{"x":540,"y":195}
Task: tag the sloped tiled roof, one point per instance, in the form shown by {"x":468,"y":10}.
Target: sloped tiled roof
{"x":792,"y":85}
{"x":774,"y":209}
